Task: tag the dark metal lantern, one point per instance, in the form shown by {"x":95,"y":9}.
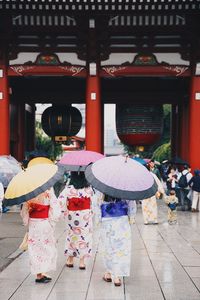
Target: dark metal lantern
{"x":61,"y":121}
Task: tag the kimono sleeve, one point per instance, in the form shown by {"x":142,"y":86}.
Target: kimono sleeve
{"x":97,"y":200}
{"x":167,"y":199}
{"x":1,"y":195}
{"x":1,"y":192}
{"x":55,"y":209}
{"x":25,"y":213}
{"x":62,"y":199}
{"x":132,"y":208}
{"x":159,"y":184}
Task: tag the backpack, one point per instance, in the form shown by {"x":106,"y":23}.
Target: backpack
{"x":182,"y":183}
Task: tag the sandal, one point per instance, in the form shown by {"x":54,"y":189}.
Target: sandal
{"x":47,"y":277}
{"x":69,"y":265}
{"x":119,"y":283}
{"x":43,"y":279}
{"x":107,"y":279}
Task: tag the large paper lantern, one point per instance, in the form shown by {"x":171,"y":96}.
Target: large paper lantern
{"x":61,"y":122}
{"x":139,"y":125}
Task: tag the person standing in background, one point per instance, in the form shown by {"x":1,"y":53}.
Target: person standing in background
{"x":183,"y":181}
{"x":149,"y":205}
{"x":153,"y":168}
{"x":194,"y":183}
{"x":172,"y":202}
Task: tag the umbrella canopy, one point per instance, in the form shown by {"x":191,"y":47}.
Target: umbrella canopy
{"x":121,"y":177}
{"x":37,"y":153}
{"x":78,"y":160}
{"x":178,"y":161}
{"x":9,"y":167}
{"x":31,"y":182}
{"x":39,"y":160}
{"x":140,"y":160}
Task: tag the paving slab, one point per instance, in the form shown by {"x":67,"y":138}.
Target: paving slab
{"x":165,"y":264}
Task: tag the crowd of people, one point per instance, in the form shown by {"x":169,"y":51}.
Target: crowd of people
{"x":186,"y":186}
{"x":79,"y":204}
{"x":178,"y":188}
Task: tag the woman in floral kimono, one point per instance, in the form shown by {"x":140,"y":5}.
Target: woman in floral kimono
{"x":76,"y":201}
{"x":39,"y":214}
{"x":149,"y":206}
{"x":117,"y":215}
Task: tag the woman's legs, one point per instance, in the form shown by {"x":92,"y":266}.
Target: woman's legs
{"x":70,"y":262}
{"x":117,"y":281}
{"x":81,"y":263}
{"x":195,"y":201}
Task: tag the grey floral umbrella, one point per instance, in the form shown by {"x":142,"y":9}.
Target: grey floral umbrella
{"x":9,"y":167}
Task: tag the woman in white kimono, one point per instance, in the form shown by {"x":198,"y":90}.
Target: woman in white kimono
{"x":40,"y":214}
{"x":76,"y":205}
{"x":149,"y":206}
{"x":117,"y":215}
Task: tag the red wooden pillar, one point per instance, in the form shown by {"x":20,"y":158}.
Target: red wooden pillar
{"x":4,"y":110}
{"x":194,"y":124}
{"x":174,"y":129}
{"x":183,"y":131}
{"x":93,"y":114}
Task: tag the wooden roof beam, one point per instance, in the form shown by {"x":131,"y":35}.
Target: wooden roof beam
{"x":101,"y":7}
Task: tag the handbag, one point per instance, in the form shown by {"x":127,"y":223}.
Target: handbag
{"x":24,"y":245}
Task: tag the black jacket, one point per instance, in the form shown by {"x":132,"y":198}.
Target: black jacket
{"x":194,"y":183}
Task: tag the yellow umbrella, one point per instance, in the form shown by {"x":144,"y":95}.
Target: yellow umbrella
{"x":31,"y":182}
{"x":39,"y":160}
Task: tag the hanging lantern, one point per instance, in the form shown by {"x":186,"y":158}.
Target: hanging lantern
{"x":61,"y":122}
{"x":139,"y":125}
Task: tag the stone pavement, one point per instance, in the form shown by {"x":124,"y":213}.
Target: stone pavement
{"x":165,"y":264}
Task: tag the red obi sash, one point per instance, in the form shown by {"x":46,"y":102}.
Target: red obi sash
{"x":39,"y":211}
{"x":79,"y":203}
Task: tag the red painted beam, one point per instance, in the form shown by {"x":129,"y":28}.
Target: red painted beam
{"x":34,"y":70}
{"x":164,"y":70}
{"x":105,"y":71}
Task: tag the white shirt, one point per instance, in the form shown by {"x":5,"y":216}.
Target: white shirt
{"x":188,"y":176}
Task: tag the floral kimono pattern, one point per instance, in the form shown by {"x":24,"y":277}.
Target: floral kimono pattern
{"x":150,"y":210}
{"x":116,"y":242}
{"x":149,"y":206}
{"x":172,"y":202}
{"x":41,"y":241}
{"x":78,"y":222}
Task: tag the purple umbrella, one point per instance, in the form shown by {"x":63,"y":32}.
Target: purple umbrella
{"x":78,"y":160}
{"x":121,"y":177}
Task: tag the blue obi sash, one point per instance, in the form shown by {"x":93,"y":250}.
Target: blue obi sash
{"x":114,"y":209}
{"x":172,"y":206}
